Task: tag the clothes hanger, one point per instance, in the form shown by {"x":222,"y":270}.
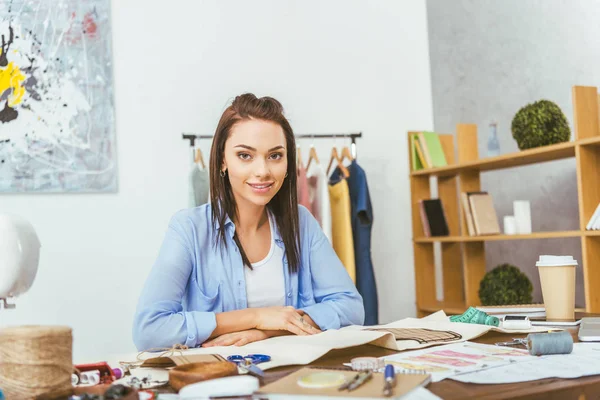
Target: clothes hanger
{"x":347,"y":154}
{"x":199,"y":159}
{"x":299,"y":157}
{"x":336,"y":157}
{"x":312,"y":155}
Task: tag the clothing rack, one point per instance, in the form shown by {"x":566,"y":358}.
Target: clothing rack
{"x":351,"y":135}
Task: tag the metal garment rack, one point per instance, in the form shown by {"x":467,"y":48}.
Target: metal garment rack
{"x":351,"y":135}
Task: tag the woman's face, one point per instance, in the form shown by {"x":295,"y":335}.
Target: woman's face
{"x":256,"y":160}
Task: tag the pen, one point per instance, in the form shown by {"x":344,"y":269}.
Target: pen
{"x":389,"y":380}
{"x":364,"y":376}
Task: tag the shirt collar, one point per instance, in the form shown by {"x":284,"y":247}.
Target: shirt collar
{"x":230,"y":227}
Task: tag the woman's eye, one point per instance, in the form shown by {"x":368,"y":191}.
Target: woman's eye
{"x":244,"y":156}
{"x":276,"y":156}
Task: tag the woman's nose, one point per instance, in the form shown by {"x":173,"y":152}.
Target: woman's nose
{"x":261,"y":168}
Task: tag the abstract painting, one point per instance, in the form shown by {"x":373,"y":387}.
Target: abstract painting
{"x":57,"y":121}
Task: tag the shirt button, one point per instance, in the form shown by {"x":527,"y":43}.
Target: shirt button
{"x":289,"y":294}
{"x":192,"y":337}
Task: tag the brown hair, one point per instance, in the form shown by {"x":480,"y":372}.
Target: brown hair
{"x":284,"y":205}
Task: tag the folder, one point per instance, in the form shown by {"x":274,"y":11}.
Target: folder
{"x":288,"y":387}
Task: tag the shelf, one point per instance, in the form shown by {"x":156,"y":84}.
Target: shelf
{"x":525,"y":157}
{"x":450,"y":309}
{"x":490,"y":238}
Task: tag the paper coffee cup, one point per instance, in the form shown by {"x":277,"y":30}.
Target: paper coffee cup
{"x":557,"y":278}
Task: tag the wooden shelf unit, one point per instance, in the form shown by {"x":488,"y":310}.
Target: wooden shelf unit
{"x":463,"y":256}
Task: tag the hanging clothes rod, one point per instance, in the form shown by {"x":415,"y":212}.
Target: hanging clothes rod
{"x":353,"y":135}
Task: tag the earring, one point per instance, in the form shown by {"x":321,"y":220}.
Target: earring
{"x":285,"y":175}
{"x":222,"y":173}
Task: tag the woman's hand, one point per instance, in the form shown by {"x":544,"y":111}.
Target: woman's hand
{"x":284,"y":318}
{"x":237,"y":338}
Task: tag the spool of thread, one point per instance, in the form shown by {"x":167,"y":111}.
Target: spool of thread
{"x":541,"y":344}
{"x":89,"y":378}
{"x":119,"y":372}
{"x":36,"y":361}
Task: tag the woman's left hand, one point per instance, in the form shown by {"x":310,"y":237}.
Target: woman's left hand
{"x":237,"y":338}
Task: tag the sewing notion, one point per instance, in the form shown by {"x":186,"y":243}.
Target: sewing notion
{"x":241,"y":385}
{"x":541,"y":344}
{"x":248,"y":363}
{"x":475,"y":316}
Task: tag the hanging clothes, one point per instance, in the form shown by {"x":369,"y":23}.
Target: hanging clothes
{"x":302,"y":186}
{"x":341,"y":225}
{"x":199,"y":186}
{"x":362,"y":223}
{"x":318,"y":197}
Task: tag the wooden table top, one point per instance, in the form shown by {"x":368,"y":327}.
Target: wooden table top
{"x":577,"y":389}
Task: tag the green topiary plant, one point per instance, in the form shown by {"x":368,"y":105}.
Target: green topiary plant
{"x":503,"y":285}
{"x":540,"y":124}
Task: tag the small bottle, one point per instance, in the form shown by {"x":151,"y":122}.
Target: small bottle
{"x":493,"y":146}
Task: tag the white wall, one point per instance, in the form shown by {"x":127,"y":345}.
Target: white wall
{"x":336,"y":66}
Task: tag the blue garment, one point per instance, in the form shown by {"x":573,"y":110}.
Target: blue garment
{"x":362,"y":222}
{"x":193,"y":279}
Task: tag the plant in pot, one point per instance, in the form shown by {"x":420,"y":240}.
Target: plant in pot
{"x":540,"y":124}
{"x":505,"y":285}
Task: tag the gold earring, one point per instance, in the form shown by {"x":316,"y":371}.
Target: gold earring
{"x":222,"y":173}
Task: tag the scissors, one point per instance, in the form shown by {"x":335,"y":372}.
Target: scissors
{"x":249,"y":362}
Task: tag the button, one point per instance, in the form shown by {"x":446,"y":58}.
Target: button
{"x":289,"y":294}
{"x":192,"y":337}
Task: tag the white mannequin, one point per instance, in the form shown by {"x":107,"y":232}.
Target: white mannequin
{"x":19,"y":256}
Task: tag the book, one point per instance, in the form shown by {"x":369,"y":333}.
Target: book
{"x":418,"y":159}
{"x":434,"y":217}
{"x":530,"y":310}
{"x":432,"y":149}
{"x":464,"y":198}
{"x":424,"y":221}
{"x":288,"y":387}
{"x":484,"y":214}
{"x":593,"y":223}
{"x":415,"y":161}
{"x":420,"y":155}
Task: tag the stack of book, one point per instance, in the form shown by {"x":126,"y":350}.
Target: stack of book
{"x":594,"y":223}
{"x":479,"y":213}
{"x":433,"y":218}
{"x":427,"y":151}
{"x":530,"y":310}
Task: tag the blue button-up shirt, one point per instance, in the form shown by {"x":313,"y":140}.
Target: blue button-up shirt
{"x":194,"y":278}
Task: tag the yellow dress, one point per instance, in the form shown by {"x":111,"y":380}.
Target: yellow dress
{"x":341,"y":226}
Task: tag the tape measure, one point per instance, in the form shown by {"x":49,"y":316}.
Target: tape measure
{"x":475,"y":316}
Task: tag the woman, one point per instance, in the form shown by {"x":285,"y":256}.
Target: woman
{"x":251,"y":264}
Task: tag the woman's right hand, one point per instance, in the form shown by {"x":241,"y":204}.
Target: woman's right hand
{"x":283,"y":318}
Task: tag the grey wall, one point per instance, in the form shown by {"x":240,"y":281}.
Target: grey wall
{"x":488,"y":59}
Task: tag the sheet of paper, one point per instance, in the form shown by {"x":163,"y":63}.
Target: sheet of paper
{"x":458,"y":358}
{"x":302,"y":350}
{"x":583,"y":361}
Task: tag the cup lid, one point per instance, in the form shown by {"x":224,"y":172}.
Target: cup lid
{"x":555,"y":261}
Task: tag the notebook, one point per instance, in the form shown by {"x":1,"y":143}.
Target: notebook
{"x":288,"y":387}
{"x":435,"y":218}
{"x":432,"y":149}
{"x":484,"y":214}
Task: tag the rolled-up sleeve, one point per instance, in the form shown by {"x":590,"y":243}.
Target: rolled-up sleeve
{"x":338,"y":302}
{"x":159,"y":319}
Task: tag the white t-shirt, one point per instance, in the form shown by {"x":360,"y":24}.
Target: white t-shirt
{"x":318,"y":194}
{"x":265,"y":286}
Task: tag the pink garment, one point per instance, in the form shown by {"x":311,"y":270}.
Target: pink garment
{"x":303,"y":196}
